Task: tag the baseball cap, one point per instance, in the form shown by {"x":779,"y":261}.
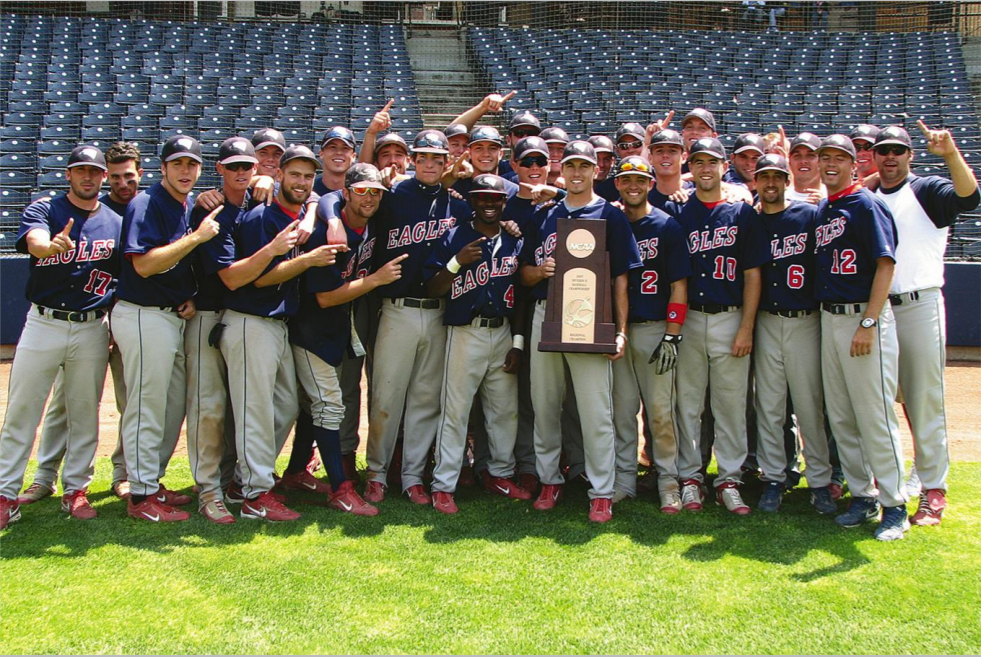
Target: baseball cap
{"x":454,"y":129}
{"x":700,"y":113}
{"x":601,"y":143}
{"x":749,"y":141}
{"x":672,"y":137}
{"x":709,"y":145}
{"x":181,"y":146}
{"x":488,"y":183}
{"x":634,"y":165}
{"x":236,"y":149}
{"x":486,"y":133}
{"x":528,"y":145}
{"x":894,"y":134}
{"x":390,"y":138}
{"x":630,"y":130}
{"x":841,"y":142}
{"x":339,"y":133}
{"x":772,"y":162}
{"x":808,"y":139}
{"x":363,"y":174}
{"x":298,"y":152}
{"x":87,"y":156}
{"x":524,"y":118}
{"x":554,"y":136}
{"x":579,"y":150}
{"x":431,"y":141}
{"x":864,"y":132}
{"x":268,"y":137}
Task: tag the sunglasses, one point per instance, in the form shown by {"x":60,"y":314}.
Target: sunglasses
{"x":362,"y":191}
{"x":863,"y":146}
{"x":638,"y":166}
{"x":627,"y":145}
{"x":239,"y":166}
{"x":533,"y":161}
{"x":523,"y":133}
{"x":890,"y":149}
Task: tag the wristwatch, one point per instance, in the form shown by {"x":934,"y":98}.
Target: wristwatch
{"x":869,"y":322}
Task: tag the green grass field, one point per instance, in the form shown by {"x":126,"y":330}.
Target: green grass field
{"x":498,"y":578}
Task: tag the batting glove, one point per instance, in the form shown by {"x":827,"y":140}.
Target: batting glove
{"x":666,"y":354}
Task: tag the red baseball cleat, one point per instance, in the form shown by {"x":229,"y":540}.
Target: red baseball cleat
{"x":507,"y":488}
{"x":728,"y":496}
{"x":692,"y":495}
{"x":443,"y":502}
{"x":528,"y":482}
{"x":931,"y":508}
{"x":77,"y":504}
{"x":548,"y":497}
{"x":600,"y":509}
{"x":417,"y":495}
{"x":154,"y":510}
{"x":305,"y":482}
{"x":171,"y":498}
{"x":34,"y":493}
{"x":216,"y":512}
{"x":314,"y":463}
{"x":374,"y":492}
{"x":347,"y":499}
{"x":267,"y":507}
{"x":9,"y":512}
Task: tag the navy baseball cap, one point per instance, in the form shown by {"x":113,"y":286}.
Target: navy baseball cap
{"x":672,"y":137}
{"x":894,"y":134}
{"x":864,"y":132}
{"x":87,"y":156}
{"x":634,"y":165}
{"x":181,"y":146}
{"x":700,"y":113}
{"x":454,"y":129}
{"x":268,"y":137}
{"x":298,"y":152}
{"x":340,"y":133}
{"x":630,"y":130}
{"x":554,"y":136}
{"x":579,"y":150}
{"x":488,"y":183}
{"x":390,"y":138}
{"x":772,"y":162}
{"x":529,"y":145}
{"x":840,"y":142}
{"x":601,"y":143}
{"x":524,"y":119}
{"x":236,"y":149}
{"x":709,"y":145}
{"x":808,"y":139}
{"x":749,"y":141}
{"x":431,"y":141}
{"x":486,"y":133}
{"x":363,"y":174}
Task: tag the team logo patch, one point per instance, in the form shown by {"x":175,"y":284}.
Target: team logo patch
{"x":90,"y":153}
{"x":185,"y":143}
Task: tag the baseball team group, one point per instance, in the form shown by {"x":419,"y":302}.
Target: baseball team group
{"x":769,"y":303}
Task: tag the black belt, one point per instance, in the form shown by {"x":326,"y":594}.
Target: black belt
{"x":905,"y":297}
{"x":711,"y":308}
{"x":72,"y":316}
{"x":425,"y":304}
{"x":841,"y":308}
{"x":790,"y":314}
{"x":487,"y":322}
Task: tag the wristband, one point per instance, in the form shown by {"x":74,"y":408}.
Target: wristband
{"x":518,"y":342}
{"x":453,"y":266}
{"x":621,"y":334}
{"x":677,"y":312}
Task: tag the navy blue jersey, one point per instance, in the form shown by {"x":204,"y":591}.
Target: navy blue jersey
{"x":319,"y":188}
{"x":481,"y":289}
{"x":732,"y":177}
{"x":504,"y":170}
{"x":854,"y":230}
{"x":662,"y":202}
{"x":85,"y":277}
{"x":118,"y":208}
{"x":938,"y":198}
{"x":411,"y":219}
{"x":607,"y":189}
{"x":258,"y":227}
{"x":540,"y":238}
{"x":215,"y":254}
{"x":724,"y":241}
{"x":664,"y":250}
{"x":154,"y":219}
{"x":788,"y":280}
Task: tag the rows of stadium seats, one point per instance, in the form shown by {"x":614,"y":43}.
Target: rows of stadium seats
{"x":66,"y":80}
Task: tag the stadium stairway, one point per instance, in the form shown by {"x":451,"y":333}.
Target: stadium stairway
{"x":444,"y":80}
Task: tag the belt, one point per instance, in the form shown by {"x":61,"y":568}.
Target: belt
{"x":487,"y":322}
{"x":905,"y":297}
{"x":72,"y":316}
{"x":711,"y":308}
{"x":841,"y":308}
{"x":425,"y":304}
{"x":790,"y":314}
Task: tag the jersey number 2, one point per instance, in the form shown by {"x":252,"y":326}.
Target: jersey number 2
{"x":98,"y":282}
{"x":648,"y":282}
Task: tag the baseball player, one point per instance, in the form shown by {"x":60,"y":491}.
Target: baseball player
{"x":788,"y":342}
{"x":856,"y":246}
{"x":698,"y":124}
{"x":805,"y":172}
{"x":72,"y":241}
{"x":556,"y":138}
{"x":458,"y":138}
{"x":337,"y":153}
{"x":154,"y":299}
{"x":629,"y":139}
{"x":863,"y":139}
{"x":923,"y":209}
{"x":486,"y":149}
{"x":475,"y":266}
{"x":591,"y":373}
{"x":604,"y":185}
{"x":749,"y":148}
{"x":667,"y":157}
{"x":491,"y":103}
{"x":727,"y":249}
{"x":411,"y":339}
{"x":658,"y":296}
{"x":523,"y":124}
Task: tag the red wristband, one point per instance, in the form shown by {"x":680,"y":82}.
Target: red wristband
{"x":676,"y":313}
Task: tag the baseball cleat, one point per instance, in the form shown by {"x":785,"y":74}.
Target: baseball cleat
{"x":860,"y":510}
{"x":823,"y":501}
{"x":692,"y":495}
{"x":529,"y":482}
{"x":155,"y":511}
{"x":728,"y":496}
{"x":34,"y":493}
{"x":305,"y":482}
{"x":267,"y":507}
{"x":314,"y":463}
{"x":234,"y":494}
{"x":548,"y":497}
{"x":121,"y":489}
{"x":77,"y":504}
{"x":171,"y":498}
{"x":347,"y":499}
{"x":417,"y":495}
{"x":9,"y":511}
{"x":216,"y":512}
{"x":894,"y":524}
{"x":670,"y":502}
{"x":931,"y":508}
{"x":506,"y":487}
{"x":374,"y":492}
{"x":600,"y":509}
{"x":443,"y":502}
{"x":771,"y":498}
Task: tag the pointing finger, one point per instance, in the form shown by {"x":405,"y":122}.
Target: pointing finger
{"x":667,"y":119}
{"x":293,"y":226}
{"x":509,"y":96}
{"x":401,"y":257}
{"x":68,"y":226}
{"x":923,"y":127}
{"x":388,"y":105}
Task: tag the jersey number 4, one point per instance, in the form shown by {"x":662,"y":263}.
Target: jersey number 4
{"x":844,"y":262}
{"x":725,"y":269}
{"x":509,"y":296}
{"x":98,"y":283}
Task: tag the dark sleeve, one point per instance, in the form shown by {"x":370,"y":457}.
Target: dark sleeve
{"x":532,"y":240}
{"x":521,"y":211}
{"x":35,"y":216}
{"x":878,"y":232}
{"x":329,"y":207}
{"x":754,"y":249}
{"x":145,"y":230}
{"x":322,"y":279}
{"x":620,"y":242}
{"x":939,"y":200}
{"x":219,"y":252}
